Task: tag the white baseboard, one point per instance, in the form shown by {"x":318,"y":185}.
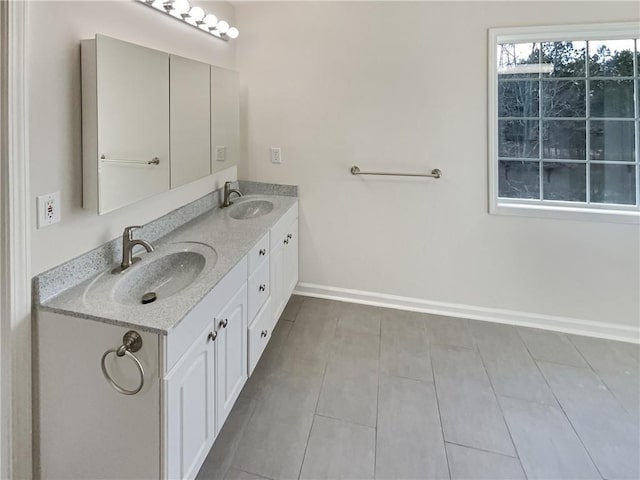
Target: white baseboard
{"x":576,"y":326}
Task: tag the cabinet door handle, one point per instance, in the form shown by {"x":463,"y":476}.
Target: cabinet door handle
{"x":286,"y":241}
{"x":264,"y":333}
{"x":262,"y":252}
{"x":212,"y":336}
{"x":223,"y":323}
{"x":289,"y":236}
{"x":262,"y":287}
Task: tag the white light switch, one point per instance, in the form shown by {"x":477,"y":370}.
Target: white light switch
{"x":221,"y":154}
{"x":48,"y":209}
{"x":276,"y":155}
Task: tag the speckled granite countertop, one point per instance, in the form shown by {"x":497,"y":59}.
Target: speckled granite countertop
{"x":232,"y":239}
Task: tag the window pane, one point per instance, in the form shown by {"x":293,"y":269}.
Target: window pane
{"x":568,"y":58}
{"x":518,"y":99}
{"x":612,"y":140}
{"x":611,"y":98}
{"x":564,"y":98}
{"x":611,"y":58}
{"x":613,"y":184}
{"x":519,"y":60}
{"x":564,"y":139}
{"x":518,"y":179}
{"x":564,"y":181}
{"x":518,"y":138}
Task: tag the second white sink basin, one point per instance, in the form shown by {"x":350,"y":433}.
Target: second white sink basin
{"x":249,"y":209}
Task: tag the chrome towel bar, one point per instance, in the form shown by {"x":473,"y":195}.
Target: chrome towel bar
{"x":435,"y":173}
{"x":153,"y":161}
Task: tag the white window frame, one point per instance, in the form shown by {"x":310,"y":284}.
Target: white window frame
{"x":546,"y":208}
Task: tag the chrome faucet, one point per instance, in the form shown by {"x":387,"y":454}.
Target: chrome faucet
{"x":127,"y":249}
{"x":227,"y":193}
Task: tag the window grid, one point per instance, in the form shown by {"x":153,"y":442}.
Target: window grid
{"x":540,"y":79}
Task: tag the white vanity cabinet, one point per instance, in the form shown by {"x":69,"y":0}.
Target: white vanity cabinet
{"x":284,"y":260}
{"x":125,"y":116}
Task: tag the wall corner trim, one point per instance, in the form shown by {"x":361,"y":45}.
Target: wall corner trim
{"x":575,"y":326}
{"x":16,"y":460}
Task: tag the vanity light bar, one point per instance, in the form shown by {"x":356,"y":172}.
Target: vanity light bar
{"x":194,"y":16}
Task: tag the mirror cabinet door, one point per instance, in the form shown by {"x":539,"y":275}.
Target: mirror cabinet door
{"x":190,"y":120}
{"x":132,"y":84}
{"x":225,"y":118}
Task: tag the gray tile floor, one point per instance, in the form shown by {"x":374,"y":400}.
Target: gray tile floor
{"x":348,"y":391}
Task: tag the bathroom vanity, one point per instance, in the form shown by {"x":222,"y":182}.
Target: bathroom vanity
{"x":149,"y":404}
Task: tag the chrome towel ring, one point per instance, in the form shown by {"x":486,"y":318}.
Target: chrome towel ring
{"x":131,"y":342}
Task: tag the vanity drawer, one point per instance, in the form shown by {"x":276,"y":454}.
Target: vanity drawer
{"x":259,"y":335}
{"x":258,"y":254}
{"x":258,"y":290}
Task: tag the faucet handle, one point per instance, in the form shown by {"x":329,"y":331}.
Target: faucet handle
{"x":129,"y":230}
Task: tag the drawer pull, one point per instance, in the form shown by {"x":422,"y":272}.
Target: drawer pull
{"x":286,"y":241}
{"x":212,"y":336}
{"x":262,"y":252}
{"x":289,"y":236}
{"x":264,"y":333}
{"x":223,"y":323}
{"x":262,"y":287}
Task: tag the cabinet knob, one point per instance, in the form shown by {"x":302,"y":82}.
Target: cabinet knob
{"x":289,"y":236}
{"x":262,"y":252}
{"x":264,"y":333}
{"x":286,"y":241}
{"x":262,"y":287}
{"x":223,"y":323}
{"x":212,"y":336}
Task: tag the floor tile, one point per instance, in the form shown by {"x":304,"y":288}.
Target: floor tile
{"x":349,"y":392}
{"x":404,"y":346}
{"x":551,"y":347}
{"x":219,"y":459}
{"x":468,"y":407}
{"x":275,"y":438}
{"x":511,"y":369}
{"x":339,"y":450}
{"x":356,"y":347}
{"x":471,"y":464}
{"x":617,"y":366}
{"x":409,"y":435}
{"x":235,"y":474}
{"x":292,"y":308}
{"x":546,"y":443}
{"x":610,"y":434}
{"x":359,"y":318}
{"x":449,"y":331}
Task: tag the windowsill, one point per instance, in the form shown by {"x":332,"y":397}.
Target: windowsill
{"x":566,"y":213}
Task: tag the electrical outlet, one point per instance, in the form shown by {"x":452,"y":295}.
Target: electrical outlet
{"x":48,"y":209}
{"x":276,"y":155}
{"x":221,"y":154}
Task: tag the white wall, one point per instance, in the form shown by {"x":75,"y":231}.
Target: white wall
{"x":55,"y":131}
{"x":403,"y":86}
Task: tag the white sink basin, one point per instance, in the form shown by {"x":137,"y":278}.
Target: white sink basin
{"x":159,"y":275}
{"x":165,"y":276}
{"x":250,"y":209}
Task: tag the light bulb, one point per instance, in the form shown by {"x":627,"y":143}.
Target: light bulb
{"x":210,"y":20}
{"x":222,"y":26}
{"x":196,"y":13}
{"x":233,"y":32}
{"x":180,"y":6}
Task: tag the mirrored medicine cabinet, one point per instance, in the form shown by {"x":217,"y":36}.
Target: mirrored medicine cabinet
{"x":152,"y":121}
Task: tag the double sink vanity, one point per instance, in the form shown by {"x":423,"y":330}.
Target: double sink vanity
{"x":140,"y":366}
